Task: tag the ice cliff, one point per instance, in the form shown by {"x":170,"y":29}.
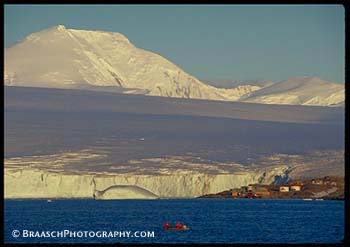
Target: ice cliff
{"x":36,"y":183}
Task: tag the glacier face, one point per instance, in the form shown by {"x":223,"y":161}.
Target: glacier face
{"x":31,"y":179}
{"x":62,"y":175}
{"x":35,"y":183}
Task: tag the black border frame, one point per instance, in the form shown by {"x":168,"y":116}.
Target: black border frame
{"x":346,"y":6}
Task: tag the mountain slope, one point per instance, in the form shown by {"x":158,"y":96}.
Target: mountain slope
{"x":300,"y":91}
{"x":58,"y":57}
{"x":66,"y":58}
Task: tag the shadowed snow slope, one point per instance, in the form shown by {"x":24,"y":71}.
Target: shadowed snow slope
{"x":62,"y":143}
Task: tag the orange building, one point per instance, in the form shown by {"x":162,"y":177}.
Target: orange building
{"x":263,"y":193}
{"x":234,"y":193}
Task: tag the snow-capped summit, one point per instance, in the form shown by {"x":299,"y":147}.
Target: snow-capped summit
{"x":60,"y":27}
{"x":59,"y":57}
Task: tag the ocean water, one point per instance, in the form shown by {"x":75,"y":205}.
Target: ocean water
{"x":209,"y":220}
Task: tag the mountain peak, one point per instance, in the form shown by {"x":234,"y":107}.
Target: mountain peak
{"x":306,"y":90}
{"x":58,"y":57}
{"x":53,"y":28}
{"x":60,"y":27}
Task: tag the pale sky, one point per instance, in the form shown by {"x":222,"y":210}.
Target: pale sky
{"x":234,"y":42}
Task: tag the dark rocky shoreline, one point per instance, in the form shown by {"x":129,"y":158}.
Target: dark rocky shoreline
{"x":326,"y":188}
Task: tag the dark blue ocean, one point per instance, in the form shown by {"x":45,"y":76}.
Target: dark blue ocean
{"x":210,"y":220}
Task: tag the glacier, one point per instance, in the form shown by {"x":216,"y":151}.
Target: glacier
{"x":36,"y":183}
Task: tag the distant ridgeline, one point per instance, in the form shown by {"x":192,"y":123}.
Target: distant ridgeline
{"x":58,"y":57}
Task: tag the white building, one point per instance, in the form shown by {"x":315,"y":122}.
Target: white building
{"x":295,"y":188}
{"x":284,"y":189}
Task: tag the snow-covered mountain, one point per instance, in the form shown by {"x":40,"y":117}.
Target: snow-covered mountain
{"x":58,"y":57}
{"x":300,"y":91}
{"x":66,"y":58}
